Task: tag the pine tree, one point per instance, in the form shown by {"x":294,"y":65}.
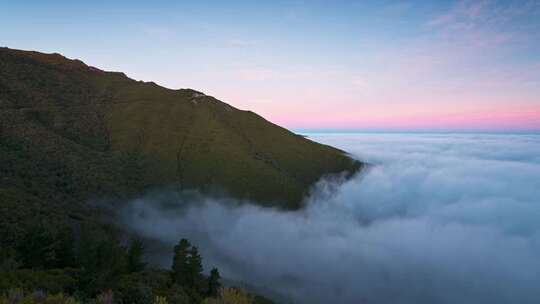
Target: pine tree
{"x":135,"y":254}
{"x":102,"y":260}
{"x":65,"y":248}
{"x":180,"y":262}
{"x":213,"y":282}
{"x":195,"y":268}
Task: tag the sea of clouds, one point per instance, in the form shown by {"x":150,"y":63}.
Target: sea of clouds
{"x":438,"y":218}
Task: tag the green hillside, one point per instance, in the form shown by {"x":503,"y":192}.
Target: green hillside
{"x":70,"y":132}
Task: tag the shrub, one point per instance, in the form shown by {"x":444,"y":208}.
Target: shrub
{"x":179,"y":296}
{"x":231,"y":296}
{"x":105,"y":298}
{"x":53,"y":281}
{"x":16,"y":296}
{"x":160,"y":300}
{"x":235,"y":296}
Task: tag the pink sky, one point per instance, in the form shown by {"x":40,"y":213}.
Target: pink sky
{"x":456,"y":65}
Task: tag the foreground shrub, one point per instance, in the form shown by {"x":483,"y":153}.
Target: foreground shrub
{"x":16,"y":296}
{"x":235,"y":296}
{"x":104,"y":298}
{"x":160,"y":300}
{"x":231,"y":296}
{"x":52,"y":281}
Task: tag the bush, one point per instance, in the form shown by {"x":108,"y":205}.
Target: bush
{"x":105,"y":298}
{"x":132,"y":292}
{"x":179,"y":296}
{"x":160,"y":300}
{"x":231,"y":296}
{"x":235,"y":296}
{"x":16,"y":296}
{"x":53,"y":281}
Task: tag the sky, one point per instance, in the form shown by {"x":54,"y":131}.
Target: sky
{"x":315,"y":65}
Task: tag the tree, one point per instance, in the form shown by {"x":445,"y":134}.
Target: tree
{"x":8,"y":259}
{"x":135,"y":253}
{"x":64,"y":248}
{"x":37,"y":248}
{"x":195,"y":268}
{"x":102,"y":260}
{"x":180,"y":262}
{"x":213,"y":282}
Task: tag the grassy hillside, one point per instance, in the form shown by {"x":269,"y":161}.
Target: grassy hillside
{"x":70,"y":132}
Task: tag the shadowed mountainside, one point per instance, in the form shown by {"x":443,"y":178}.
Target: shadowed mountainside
{"x":70,"y":132}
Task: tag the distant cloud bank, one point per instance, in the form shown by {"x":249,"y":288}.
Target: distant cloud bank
{"x":438,"y":219}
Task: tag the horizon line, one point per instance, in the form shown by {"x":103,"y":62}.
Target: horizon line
{"x":405,"y":131}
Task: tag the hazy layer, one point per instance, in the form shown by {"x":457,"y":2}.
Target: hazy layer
{"x":438,"y":219}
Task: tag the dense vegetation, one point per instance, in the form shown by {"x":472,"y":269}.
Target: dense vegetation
{"x":48,"y":266}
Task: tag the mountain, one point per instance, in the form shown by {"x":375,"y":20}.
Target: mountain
{"x":70,"y":132}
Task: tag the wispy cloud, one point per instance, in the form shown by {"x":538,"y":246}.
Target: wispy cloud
{"x":485,"y":24}
{"x":463,"y":11}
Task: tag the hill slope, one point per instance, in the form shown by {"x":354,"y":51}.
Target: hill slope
{"x":70,"y":132}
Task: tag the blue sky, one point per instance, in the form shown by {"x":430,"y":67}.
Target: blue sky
{"x":429,"y":65}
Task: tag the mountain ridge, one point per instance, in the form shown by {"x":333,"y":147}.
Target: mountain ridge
{"x":165,"y":136}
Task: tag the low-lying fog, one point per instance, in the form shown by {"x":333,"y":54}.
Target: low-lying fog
{"x":438,"y":219}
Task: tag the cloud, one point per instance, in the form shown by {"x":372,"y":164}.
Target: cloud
{"x":487,"y":24}
{"x":437,"y":219}
{"x":465,"y":9}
